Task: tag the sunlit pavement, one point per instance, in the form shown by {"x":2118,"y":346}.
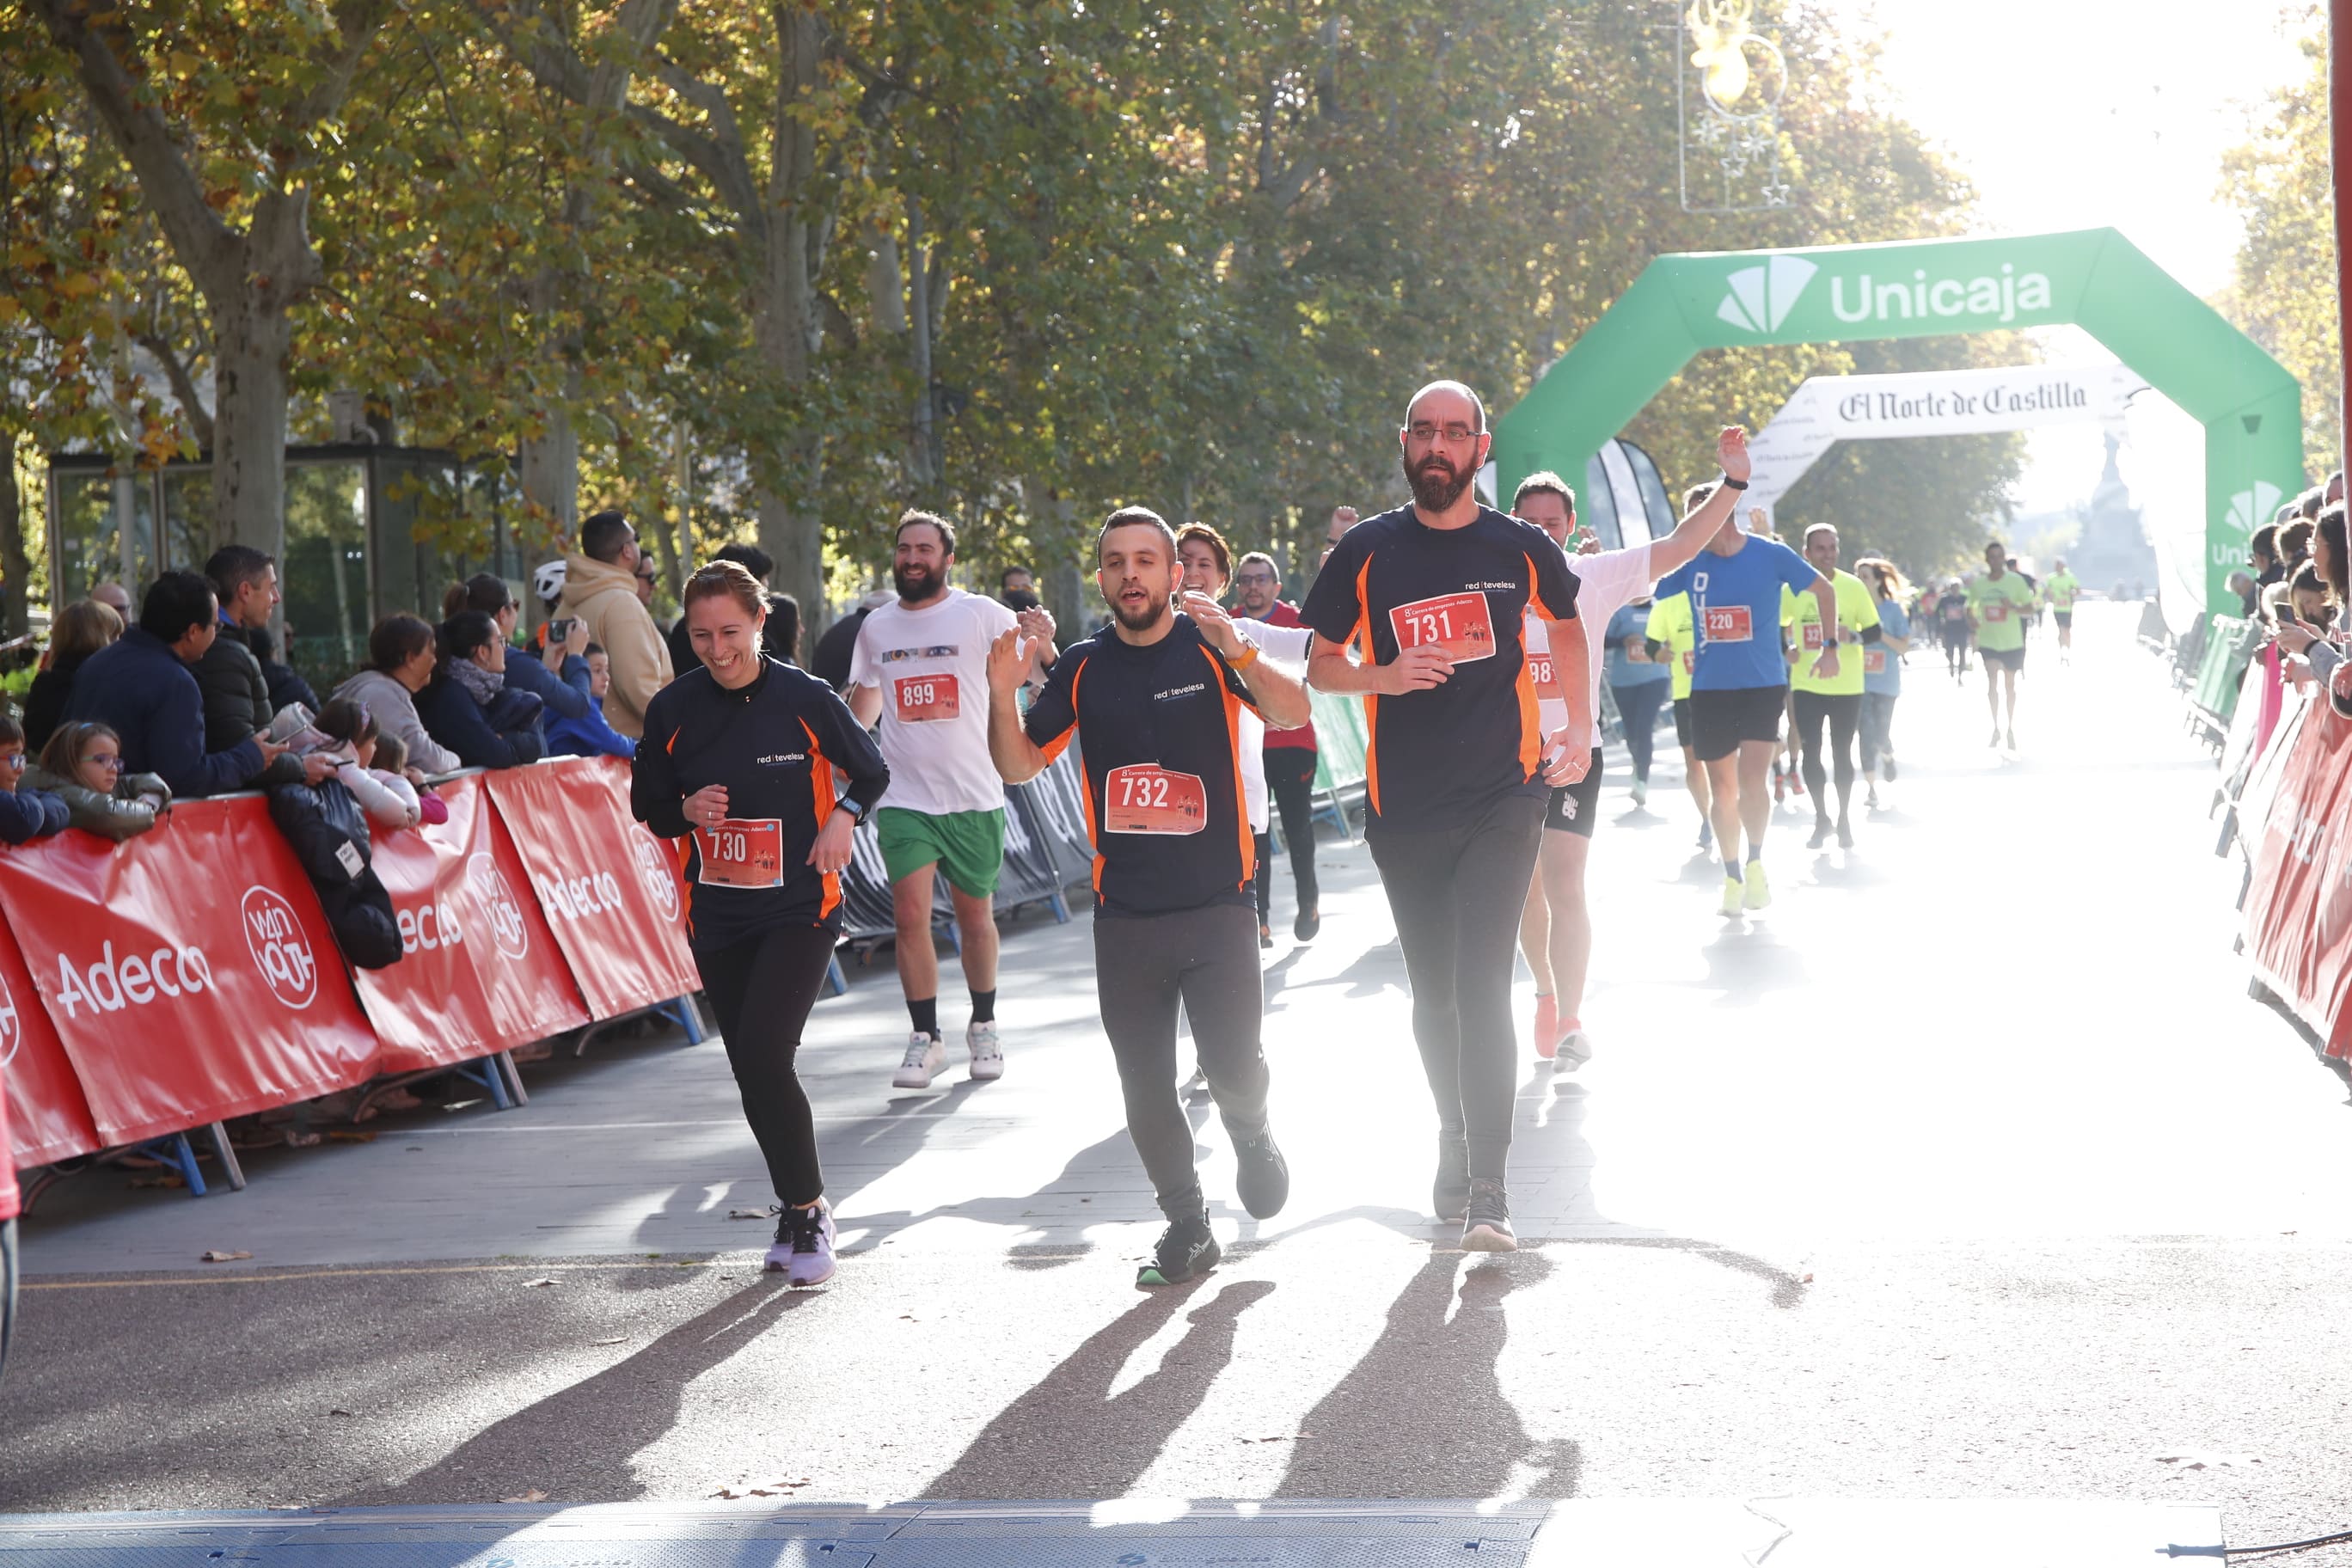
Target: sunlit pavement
{"x":1966,"y":1171}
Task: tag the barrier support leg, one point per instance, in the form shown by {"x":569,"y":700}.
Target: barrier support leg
{"x":492,"y":1077}
{"x":1061,"y":907}
{"x":689,"y":1018}
{"x":227,"y":1152}
{"x":513,"y":1075}
{"x":178,"y":1153}
{"x":835,"y":977}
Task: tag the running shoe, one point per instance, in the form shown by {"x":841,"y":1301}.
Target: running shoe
{"x":1821,"y":833}
{"x":1449,"y":1194}
{"x":2012,"y":741}
{"x":1996,"y":736}
{"x":1779,"y":783}
{"x":1486,"y":1223}
{"x":1759,"y":892}
{"x":1309,"y":923}
{"x":987,"y":1056}
{"x":1706,"y":834}
{"x":1265,"y":936}
{"x":1641,"y":791}
{"x":1845,"y":833}
{"x":1263,"y":1179}
{"x":925,"y":1056}
{"x":1575,"y":1050}
{"x":803,"y":1252}
{"x":1188,"y":1248}
{"x":1546,"y":1029}
{"x":1888,"y":758}
{"x":1796,"y":782}
{"x":1735,"y":895}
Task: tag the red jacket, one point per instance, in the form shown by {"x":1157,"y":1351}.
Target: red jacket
{"x":1286,"y":613}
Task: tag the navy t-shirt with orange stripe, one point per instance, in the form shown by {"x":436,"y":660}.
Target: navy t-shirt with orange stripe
{"x":785,"y":746}
{"x":1160,"y":729}
{"x":1435,"y":759}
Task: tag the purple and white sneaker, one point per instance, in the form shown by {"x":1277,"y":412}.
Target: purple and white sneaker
{"x":803,"y":1252}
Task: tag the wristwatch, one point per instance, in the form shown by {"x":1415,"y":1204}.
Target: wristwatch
{"x":1247,"y":657}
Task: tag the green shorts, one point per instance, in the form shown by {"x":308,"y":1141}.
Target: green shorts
{"x":969,"y":845}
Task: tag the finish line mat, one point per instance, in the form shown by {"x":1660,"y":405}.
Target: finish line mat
{"x":1654,"y":1533}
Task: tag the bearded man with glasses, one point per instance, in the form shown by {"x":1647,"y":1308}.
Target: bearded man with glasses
{"x":1431,"y":597}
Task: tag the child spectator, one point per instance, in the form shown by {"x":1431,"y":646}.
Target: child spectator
{"x":592,"y":736}
{"x":25,"y":813}
{"x":82,"y":765}
{"x":389,"y":800}
{"x":80,"y":629}
{"x":391,"y":757}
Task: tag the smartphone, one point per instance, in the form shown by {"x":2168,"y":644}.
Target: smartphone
{"x":2286,"y":614}
{"x":561,"y":628}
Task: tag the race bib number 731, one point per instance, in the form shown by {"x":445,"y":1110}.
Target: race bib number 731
{"x":1458,"y":623}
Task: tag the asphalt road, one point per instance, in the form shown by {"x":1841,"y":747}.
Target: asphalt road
{"x":1968,"y":1171}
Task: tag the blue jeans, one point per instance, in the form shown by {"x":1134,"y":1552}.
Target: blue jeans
{"x":1639,"y":705}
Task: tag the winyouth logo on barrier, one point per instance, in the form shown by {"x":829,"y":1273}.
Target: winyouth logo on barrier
{"x":1762,"y":297}
{"x":655,"y":873}
{"x":488,"y":885}
{"x":12,"y":1029}
{"x":274,"y":935}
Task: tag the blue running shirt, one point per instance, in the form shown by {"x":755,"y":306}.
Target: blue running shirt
{"x":1735,"y":612}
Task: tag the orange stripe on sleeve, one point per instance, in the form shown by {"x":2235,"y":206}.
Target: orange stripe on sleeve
{"x":821,"y":802}
{"x":1535,"y":594}
{"x":1362,"y":637}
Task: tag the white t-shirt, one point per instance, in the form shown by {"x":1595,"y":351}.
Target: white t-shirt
{"x":1283,"y":645}
{"x":1606,"y":583}
{"x":931,"y":665}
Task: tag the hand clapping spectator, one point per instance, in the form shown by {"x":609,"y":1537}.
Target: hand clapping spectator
{"x":144,"y":688}
{"x":82,"y":765}
{"x":80,"y":629}
{"x":467,"y":706}
{"x":25,"y":813}
{"x":400,"y":665}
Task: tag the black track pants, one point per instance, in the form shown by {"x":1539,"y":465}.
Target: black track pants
{"x":1144,"y":965}
{"x":1844,"y":717}
{"x":1290,"y":780}
{"x":1455,"y":894}
{"x":762,"y":990}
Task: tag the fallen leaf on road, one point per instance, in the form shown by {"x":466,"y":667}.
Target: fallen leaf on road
{"x":616,"y":1339}
{"x":746,"y":1214}
{"x":534,"y":1495}
{"x":137,"y":1181}
{"x":1806,"y":1280}
{"x":352,"y":1137}
{"x":339,"y":1412}
{"x":536,"y":1284}
{"x":226,"y":1256}
{"x":2199,"y":1461}
{"x":1281,"y":1437}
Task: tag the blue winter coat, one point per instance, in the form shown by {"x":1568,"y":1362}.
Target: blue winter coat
{"x":138,"y":687}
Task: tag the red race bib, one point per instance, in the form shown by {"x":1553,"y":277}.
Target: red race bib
{"x":1458,"y":623}
{"x":1539,"y":670}
{"x":1997,"y":611}
{"x":927,"y":698}
{"x":1690,"y":659}
{"x":1143,"y":798}
{"x":1873,"y":661}
{"x":1730,"y":622}
{"x":1812,"y":630}
{"x":740,"y":854}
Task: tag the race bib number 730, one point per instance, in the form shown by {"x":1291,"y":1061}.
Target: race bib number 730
{"x":738,"y":853}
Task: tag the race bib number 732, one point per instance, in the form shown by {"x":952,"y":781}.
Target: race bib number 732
{"x":1143,"y":798}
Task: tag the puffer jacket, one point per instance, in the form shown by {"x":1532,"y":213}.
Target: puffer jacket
{"x":330,"y":835}
{"x":139,"y":801}
{"x":503,"y":736}
{"x":30,"y":813}
{"x":237,"y":701}
{"x":605,"y":597}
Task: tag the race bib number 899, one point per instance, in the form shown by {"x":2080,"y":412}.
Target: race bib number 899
{"x":927,"y":698}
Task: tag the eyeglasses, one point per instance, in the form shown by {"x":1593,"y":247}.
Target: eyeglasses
{"x":1423,"y":432}
{"x":1254,"y":577}
{"x":14,"y":761}
{"x":107,"y":759}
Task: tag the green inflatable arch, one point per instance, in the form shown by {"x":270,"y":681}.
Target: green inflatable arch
{"x":2094,"y":279}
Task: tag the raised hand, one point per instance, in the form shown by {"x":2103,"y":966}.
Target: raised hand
{"x":1008,"y":661}
{"x":1731,"y":452}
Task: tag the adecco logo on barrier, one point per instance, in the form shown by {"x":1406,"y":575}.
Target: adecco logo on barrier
{"x":579,"y":897}
{"x":429,"y":926}
{"x":654,"y":873}
{"x":274,"y":935}
{"x":106,"y":986}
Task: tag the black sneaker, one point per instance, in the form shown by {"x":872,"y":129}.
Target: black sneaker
{"x":1187,"y":1248}
{"x":1264,"y":1178}
{"x":1309,"y":923}
{"x":1450,"y":1197}
{"x":1821,"y":833}
{"x":1487,"y":1227}
{"x":1845,"y":833}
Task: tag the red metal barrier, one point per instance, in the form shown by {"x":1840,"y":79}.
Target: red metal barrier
{"x":609,"y":887}
{"x":2299,"y":897}
{"x":50,"y":1119}
{"x":480,"y":971}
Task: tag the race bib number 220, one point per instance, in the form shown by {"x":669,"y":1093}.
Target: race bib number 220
{"x":1730,"y":622}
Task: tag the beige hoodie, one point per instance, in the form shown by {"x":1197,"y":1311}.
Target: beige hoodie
{"x":604,"y":595}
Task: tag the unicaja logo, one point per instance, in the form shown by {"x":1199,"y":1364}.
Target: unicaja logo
{"x":1760,"y":298}
{"x":2249,"y":509}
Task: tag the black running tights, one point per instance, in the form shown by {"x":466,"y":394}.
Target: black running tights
{"x":1206,"y":959}
{"x":762,"y":988}
{"x":1290,"y":780}
{"x":1455,"y":895}
{"x":1844,"y":715}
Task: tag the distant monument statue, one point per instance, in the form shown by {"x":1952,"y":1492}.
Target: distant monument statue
{"x":2114,"y":547}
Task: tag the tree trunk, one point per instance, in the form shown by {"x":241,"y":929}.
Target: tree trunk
{"x":252,"y":340}
{"x":16,"y":570}
{"x":785,"y":324}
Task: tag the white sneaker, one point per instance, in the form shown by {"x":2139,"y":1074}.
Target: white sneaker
{"x":1641,"y":791}
{"x":1575,"y":1050}
{"x":925,"y":1056}
{"x":987,"y":1056}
